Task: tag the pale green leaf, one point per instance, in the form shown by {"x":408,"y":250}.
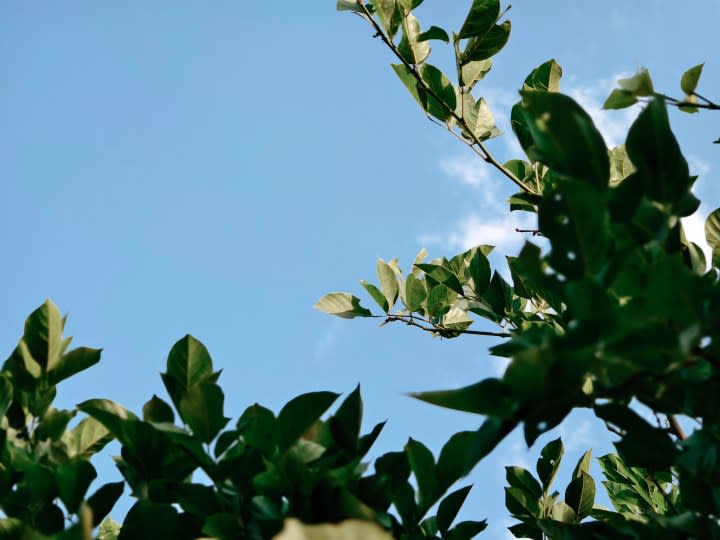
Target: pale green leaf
{"x":639,"y":84}
{"x":690,"y":79}
{"x":388,"y":282}
{"x":343,"y":305}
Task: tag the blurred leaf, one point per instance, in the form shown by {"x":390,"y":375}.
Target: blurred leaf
{"x":639,"y":84}
{"x":109,"y":529}
{"x":299,"y":414}
{"x":86,"y":438}
{"x":449,"y":508}
{"x":488,"y":397}
{"x":351,"y":529}
{"x":565,"y":139}
{"x":466,"y":529}
{"x":712,"y":229}
{"x":422,"y":464}
{"x":620,"y":99}
{"x":342,"y":305}
{"x":148,"y":520}
{"x":6,"y":394}
{"x":53,"y":424}
{"x":545,"y":77}
{"x":102,"y":501}
{"x":345,"y":423}
{"x":73,"y":479}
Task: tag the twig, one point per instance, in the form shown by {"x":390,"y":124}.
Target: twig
{"x":436,"y":328}
{"x":535,"y":232}
{"x":675,"y":427}
{"x":486,"y":155}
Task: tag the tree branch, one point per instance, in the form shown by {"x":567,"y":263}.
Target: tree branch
{"x":675,"y":427}
{"x":485,"y":153}
{"x":410,"y":320}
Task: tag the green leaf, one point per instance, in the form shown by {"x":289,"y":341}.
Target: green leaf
{"x":350,"y":529}
{"x":478,"y":118}
{"x":545,"y":77}
{"x":521,"y":504}
{"x":378,"y":296}
{"x":488,"y":397}
{"x":580,"y":495}
{"x":422,"y":464}
{"x":53,"y":424}
{"x":549,"y":462}
{"x":349,"y":5}
{"x":466,"y":529}
{"x":189,"y":364}
{"x":109,"y":529}
{"x":411,"y":83}
{"x":465,"y":449}
{"x":583,"y":464}
{"x":388,"y":282}
{"x":522,"y":479}
{"x":148,"y":520}
{"x":299,"y":414}
{"x":487,"y":45}
{"x":157,"y":410}
{"x":565,"y":139}
{"x":639,"y":84}
{"x":480,"y":19}
{"x":102,"y":501}
{"x":472,"y":72}
{"x":343,"y":305}
{"x":620,"y":99}
{"x":411,"y":48}
{"x":442,"y":275}
{"x":434,"y":32}
{"x":257,"y":425}
{"x":449,"y":508}
{"x":73,"y":362}
{"x":660,"y":166}
{"x":415,"y":293}
{"x":43,"y":335}
{"x":690,"y":79}
{"x":201,"y":407}
{"x":479,"y":272}
{"x":712,"y":229}
{"x":87,"y":438}
{"x":345,"y":423}
{"x":222,"y":527}
{"x":6,"y":394}
{"x":440,"y":88}
{"x":620,"y":165}
{"x":73,"y":480}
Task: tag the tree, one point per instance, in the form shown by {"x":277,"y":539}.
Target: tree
{"x":620,"y":309}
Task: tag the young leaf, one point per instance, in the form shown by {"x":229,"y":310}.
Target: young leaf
{"x":388,"y":282}
{"x":583,"y":464}
{"x":343,"y":305}
{"x":639,"y":84}
{"x":620,"y":99}
{"x":690,"y":78}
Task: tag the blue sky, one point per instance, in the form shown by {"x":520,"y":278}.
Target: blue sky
{"x":215,"y":167}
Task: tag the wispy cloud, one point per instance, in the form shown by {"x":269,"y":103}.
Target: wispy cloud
{"x":472,"y":172}
{"x":327,"y":341}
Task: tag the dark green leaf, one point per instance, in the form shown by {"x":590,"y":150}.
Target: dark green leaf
{"x":43,"y":335}
{"x":580,"y":495}
{"x":74,"y":362}
{"x":6,"y":394}
{"x":422,"y":464}
{"x":442,"y":275}
{"x":150,"y":521}
{"x":102,"y":501}
{"x":222,"y":527}
{"x":257,"y":425}
{"x":441,"y":97}
{"x":156,"y":410}
{"x":343,"y":305}
{"x":434,"y":32}
{"x":53,"y":424}
{"x":466,"y":530}
{"x":480,"y":19}
{"x":415,"y":292}
{"x":449,"y":508}
{"x":345,"y":423}
{"x":522,"y":479}
{"x":201,"y":408}
{"x":487,"y":45}
{"x":87,"y":438}
{"x":189,"y":364}
{"x":549,"y":461}
{"x":488,"y":397}
{"x":565,"y":139}
{"x":73,"y":479}
{"x":299,"y":414}
{"x":479,"y":272}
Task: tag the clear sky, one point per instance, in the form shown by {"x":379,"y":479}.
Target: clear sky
{"x":215,"y":167}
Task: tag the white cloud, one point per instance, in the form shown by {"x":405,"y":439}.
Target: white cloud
{"x":698,"y":166}
{"x":326,"y":343}
{"x":473,"y":172}
{"x":577,"y":436}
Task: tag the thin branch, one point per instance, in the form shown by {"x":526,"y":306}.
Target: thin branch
{"x":535,"y":232}
{"x":675,"y":427}
{"x":709,"y":105}
{"x":410,"y":320}
{"x":486,"y":155}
